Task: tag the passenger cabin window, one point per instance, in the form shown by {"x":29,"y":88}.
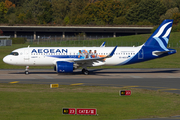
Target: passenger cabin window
{"x":14,"y":53}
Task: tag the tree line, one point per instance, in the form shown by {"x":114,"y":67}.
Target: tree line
{"x":88,"y":12}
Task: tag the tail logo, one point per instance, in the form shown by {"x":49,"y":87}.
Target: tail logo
{"x":162,"y":36}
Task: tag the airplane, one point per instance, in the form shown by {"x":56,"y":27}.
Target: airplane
{"x":67,"y":59}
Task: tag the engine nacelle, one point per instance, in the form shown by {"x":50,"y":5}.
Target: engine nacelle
{"x":64,"y":67}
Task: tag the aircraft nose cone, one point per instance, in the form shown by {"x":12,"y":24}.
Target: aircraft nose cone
{"x":5,"y":59}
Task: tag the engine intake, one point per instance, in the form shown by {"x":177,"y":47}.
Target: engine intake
{"x":64,"y":67}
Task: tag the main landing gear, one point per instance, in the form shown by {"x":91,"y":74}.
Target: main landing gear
{"x":27,"y":70}
{"x":85,"y":71}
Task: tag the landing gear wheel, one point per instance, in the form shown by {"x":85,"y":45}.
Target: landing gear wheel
{"x":85,"y":71}
{"x":26,"y":72}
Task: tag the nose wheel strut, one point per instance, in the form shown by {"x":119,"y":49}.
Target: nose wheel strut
{"x":27,"y":70}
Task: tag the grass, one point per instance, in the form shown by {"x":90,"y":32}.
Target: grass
{"x":167,"y":62}
{"x":32,"y":101}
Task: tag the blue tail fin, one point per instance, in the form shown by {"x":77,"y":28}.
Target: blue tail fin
{"x":160,"y":37}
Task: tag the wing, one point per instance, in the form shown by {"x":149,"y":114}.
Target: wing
{"x":90,"y":60}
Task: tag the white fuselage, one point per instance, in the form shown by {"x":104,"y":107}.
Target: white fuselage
{"x":48,"y":56}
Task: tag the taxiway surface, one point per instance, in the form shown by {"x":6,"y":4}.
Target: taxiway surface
{"x":155,"y":79}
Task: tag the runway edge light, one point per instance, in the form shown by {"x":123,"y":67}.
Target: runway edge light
{"x":54,"y":85}
{"x":70,"y":111}
{"x":125,"y":92}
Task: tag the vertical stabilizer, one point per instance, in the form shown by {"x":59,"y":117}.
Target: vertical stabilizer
{"x":160,"y":37}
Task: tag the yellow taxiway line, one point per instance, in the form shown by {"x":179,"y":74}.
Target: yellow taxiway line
{"x":14,"y":82}
{"x":77,"y":84}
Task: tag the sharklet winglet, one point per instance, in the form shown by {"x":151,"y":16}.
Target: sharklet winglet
{"x":112,"y":52}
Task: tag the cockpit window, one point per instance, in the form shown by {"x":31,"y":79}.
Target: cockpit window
{"x":14,"y":53}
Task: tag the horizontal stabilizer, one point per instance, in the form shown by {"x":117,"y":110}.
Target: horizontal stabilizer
{"x":157,"y":53}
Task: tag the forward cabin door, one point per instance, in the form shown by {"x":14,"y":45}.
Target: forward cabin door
{"x":26,"y":55}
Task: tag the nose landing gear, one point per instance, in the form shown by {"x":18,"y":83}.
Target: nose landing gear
{"x":27,"y":70}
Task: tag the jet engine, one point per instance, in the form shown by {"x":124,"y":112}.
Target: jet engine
{"x":64,"y":67}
